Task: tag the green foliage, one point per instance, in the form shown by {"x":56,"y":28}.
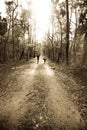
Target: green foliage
{"x":62,"y":12}
{"x":9,"y":3}
{"x":3,"y":26}
{"x":83,"y":19}
{"x":82,"y":28}
{"x":10,"y":6}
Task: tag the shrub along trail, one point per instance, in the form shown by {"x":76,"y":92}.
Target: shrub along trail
{"x":32,"y":98}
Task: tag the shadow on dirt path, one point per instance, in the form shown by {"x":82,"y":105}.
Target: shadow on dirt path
{"x":35,"y":100}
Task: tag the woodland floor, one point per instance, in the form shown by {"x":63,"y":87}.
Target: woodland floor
{"x":42,"y":96}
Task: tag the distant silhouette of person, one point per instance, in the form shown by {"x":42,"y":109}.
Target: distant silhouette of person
{"x":38,"y":56}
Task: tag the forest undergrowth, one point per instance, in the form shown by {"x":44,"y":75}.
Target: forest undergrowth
{"x":74,"y":78}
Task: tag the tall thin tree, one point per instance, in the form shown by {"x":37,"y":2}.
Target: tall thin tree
{"x":67,"y":32}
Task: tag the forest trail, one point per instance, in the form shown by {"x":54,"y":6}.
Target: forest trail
{"x":36,"y":100}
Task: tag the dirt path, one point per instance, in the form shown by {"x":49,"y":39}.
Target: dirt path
{"x":35,"y":100}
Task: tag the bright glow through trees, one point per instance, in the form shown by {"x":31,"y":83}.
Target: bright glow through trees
{"x":41,"y":12}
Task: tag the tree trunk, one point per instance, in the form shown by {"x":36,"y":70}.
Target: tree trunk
{"x":13,"y":36}
{"x":53,"y":37}
{"x":84,"y":60}
{"x":75,"y":37}
{"x":22,"y":54}
{"x":67,"y":33}
{"x":60,"y":50}
{"x":4,"y":54}
{"x":53,"y":51}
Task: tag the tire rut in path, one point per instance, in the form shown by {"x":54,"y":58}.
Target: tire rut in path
{"x":36,"y":116}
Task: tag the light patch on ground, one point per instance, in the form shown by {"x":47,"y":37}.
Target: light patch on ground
{"x":31,"y":71}
{"x":49,"y":71}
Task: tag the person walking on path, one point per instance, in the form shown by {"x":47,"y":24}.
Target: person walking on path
{"x":38,"y":56}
